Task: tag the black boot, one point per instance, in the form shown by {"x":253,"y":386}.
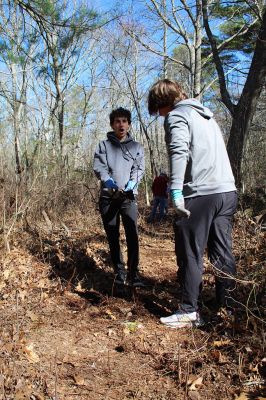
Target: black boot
{"x":120,"y":276}
{"x":135,"y":281}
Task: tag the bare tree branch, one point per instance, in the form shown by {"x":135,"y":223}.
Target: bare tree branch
{"x":221,"y":76}
{"x":151,"y":49}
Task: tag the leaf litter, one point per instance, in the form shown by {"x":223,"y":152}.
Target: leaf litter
{"x":67,"y":333}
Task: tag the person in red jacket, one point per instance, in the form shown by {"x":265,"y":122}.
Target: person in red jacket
{"x":160,"y":195}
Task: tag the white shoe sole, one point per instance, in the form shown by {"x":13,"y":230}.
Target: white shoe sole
{"x":179,"y":325}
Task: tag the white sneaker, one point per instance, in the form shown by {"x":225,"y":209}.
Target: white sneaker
{"x":182,"y":319}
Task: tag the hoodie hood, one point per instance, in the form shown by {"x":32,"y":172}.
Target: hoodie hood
{"x":122,"y":161}
{"x":124,"y":144}
{"x":197,"y":106}
{"x":111,"y":136}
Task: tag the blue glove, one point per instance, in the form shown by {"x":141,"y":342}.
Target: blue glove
{"x":129,"y":186}
{"x":110,"y":184}
{"x":179,"y":203}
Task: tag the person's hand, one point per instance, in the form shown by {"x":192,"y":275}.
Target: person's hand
{"x":129,"y":186}
{"x":110,"y":184}
{"x":179,"y":203}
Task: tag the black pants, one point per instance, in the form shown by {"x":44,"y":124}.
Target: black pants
{"x":210,"y":225}
{"x":111,"y":210}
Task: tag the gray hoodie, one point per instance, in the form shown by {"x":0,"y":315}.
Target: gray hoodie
{"x":199,"y":163}
{"x":120,"y":160}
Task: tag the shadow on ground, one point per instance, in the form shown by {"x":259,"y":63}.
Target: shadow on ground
{"x":82,"y":266}
{"x":87,"y":271}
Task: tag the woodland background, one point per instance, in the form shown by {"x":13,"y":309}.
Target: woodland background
{"x":64,"y":65}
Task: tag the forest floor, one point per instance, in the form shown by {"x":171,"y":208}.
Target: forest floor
{"x":68,"y":333}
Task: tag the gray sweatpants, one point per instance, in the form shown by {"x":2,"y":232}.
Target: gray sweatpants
{"x":210,"y":225}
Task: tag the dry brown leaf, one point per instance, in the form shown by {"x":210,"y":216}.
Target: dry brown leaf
{"x":71,"y":296}
{"x":242,"y":396}
{"x":110,"y":315}
{"x":22,"y":294}
{"x":44,"y":296}
{"x":32,"y":316}
{"x":196,"y":383}
{"x":216,"y":355}
{"x":249,"y":260}
{"x":126,"y":331}
{"x":219,"y":357}
{"x":23,"y":393}
{"x":79,"y":380}
{"x":79,"y":288}
{"x":111,"y":332}
{"x":194,"y":395}
{"x":60,"y":255}
{"x":8,"y":347}
{"x":23,"y":268}
{"x":220,"y":343}
{"x":30,"y":354}
{"x":6,"y":274}
{"x":39,"y":396}
{"x":42,"y":283}
{"x":68,"y":360}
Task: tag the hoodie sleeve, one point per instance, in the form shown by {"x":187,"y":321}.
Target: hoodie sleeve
{"x":100,"y":165}
{"x":138,"y":167}
{"x":177,"y":138}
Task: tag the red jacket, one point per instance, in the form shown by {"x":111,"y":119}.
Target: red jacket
{"x":159,"y":186}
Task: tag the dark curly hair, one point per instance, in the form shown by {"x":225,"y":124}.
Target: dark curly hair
{"x":120,"y":112}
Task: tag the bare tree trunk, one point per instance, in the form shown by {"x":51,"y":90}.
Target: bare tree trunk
{"x":165,"y":59}
{"x":16,"y":139}
{"x":16,"y":106}
{"x":143,"y":127}
{"x":150,"y":147}
{"x":198,"y":44}
{"x":61,"y":125}
{"x":246,"y":106}
{"x":243,"y":112}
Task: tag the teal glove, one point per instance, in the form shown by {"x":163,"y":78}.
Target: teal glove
{"x":179,"y":203}
{"x":130,"y":186}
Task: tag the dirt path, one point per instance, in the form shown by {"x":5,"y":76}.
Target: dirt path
{"x":67,"y":333}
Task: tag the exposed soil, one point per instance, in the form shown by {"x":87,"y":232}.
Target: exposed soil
{"x":68,"y":332}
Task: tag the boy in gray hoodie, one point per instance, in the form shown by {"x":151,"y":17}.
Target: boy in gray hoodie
{"x":204,"y":196}
{"x":119,"y":164}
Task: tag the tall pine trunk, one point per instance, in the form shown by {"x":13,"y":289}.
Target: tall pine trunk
{"x":246,"y":107}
